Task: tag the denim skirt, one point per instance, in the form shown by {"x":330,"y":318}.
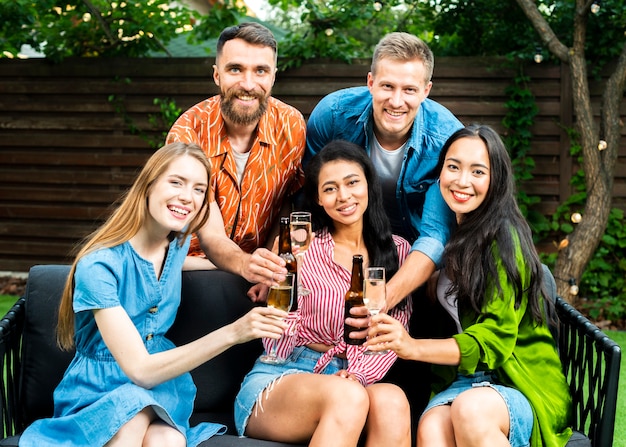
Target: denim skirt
{"x":263,"y":376}
{"x":520,"y":412}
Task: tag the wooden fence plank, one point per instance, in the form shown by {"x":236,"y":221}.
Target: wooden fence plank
{"x":68,"y":177}
{"x":71,"y":158}
{"x":67,"y":151}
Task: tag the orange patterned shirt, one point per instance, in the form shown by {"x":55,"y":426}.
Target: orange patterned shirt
{"x":272,"y":173}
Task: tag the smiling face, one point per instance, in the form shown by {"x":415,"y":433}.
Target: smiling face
{"x":398,"y":89}
{"x":342,"y":192}
{"x":245,"y":74}
{"x":465,"y":176}
{"x":177,"y":195}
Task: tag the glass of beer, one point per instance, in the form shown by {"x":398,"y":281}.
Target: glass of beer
{"x":279,"y":297}
{"x":374,"y":286}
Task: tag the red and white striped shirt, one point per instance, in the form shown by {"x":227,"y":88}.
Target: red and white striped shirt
{"x":320,"y":315}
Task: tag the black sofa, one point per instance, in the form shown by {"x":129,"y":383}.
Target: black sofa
{"x":32,"y":365}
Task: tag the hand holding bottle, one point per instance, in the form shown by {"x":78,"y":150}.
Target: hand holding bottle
{"x":354,"y":300}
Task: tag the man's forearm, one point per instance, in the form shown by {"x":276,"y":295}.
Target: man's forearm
{"x":415,"y":271}
{"x":198,"y":263}
{"x":224,"y":253}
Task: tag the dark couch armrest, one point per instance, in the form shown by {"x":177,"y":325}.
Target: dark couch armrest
{"x":11,"y":327}
{"x":591,"y":363}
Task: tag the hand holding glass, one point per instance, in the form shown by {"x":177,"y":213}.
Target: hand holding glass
{"x":300,"y":222}
{"x":374,"y":295}
{"x":279,"y":297}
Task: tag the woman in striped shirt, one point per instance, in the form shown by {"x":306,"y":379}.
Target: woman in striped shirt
{"x":326,"y":393}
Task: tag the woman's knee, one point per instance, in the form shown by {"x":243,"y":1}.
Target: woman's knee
{"x":347,"y":394}
{"x":389,"y":418}
{"x":389,"y":399}
{"x":159,"y":434}
{"x":479,"y":410}
{"x":435,"y":427}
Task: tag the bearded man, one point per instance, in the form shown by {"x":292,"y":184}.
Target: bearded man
{"x":255,"y":144}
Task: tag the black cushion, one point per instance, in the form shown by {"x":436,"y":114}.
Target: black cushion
{"x":212,"y":299}
{"x":43,"y":363}
{"x":578,"y":440}
{"x":234,"y":441}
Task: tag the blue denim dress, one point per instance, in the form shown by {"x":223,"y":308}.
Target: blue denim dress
{"x":95,"y":398}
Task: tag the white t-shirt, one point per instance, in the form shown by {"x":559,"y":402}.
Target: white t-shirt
{"x":240,"y":161}
{"x":388,"y":165}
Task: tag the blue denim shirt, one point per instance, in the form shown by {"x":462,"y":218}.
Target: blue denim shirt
{"x":347,"y":115}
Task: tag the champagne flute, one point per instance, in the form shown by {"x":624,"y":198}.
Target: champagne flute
{"x":300,"y":240}
{"x":374,"y":286}
{"x":279,"y":297}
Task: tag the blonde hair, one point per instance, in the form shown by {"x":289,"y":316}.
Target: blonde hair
{"x":126,"y":221}
{"x":403,"y":47}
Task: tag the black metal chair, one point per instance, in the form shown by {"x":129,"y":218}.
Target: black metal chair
{"x":11,"y":327}
{"x":591,"y":363}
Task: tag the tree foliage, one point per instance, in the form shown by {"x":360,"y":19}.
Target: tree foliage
{"x":90,"y":27}
{"x":99,"y":28}
{"x":481,"y":28}
{"x":344,"y":29}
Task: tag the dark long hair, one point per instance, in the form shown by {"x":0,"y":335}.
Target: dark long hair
{"x":487,"y":235}
{"x":377,"y":235}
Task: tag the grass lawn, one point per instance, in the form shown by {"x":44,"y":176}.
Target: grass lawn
{"x":619,"y":437}
{"x":6,"y":302}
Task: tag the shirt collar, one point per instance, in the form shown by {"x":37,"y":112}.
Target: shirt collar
{"x":264,"y":129}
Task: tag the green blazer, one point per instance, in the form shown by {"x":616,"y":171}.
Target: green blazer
{"x":506,"y":340}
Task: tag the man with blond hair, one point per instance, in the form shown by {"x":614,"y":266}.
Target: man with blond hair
{"x":403,"y":131}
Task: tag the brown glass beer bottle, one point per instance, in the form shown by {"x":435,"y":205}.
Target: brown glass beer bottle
{"x":284,"y":251}
{"x":354,"y":298}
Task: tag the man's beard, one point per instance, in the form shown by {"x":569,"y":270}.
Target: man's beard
{"x":230,"y":111}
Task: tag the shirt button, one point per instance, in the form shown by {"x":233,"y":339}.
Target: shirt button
{"x":153,"y":309}
{"x":149,"y":337}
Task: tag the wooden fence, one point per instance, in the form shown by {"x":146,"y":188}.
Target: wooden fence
{"x":67,"y":150}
